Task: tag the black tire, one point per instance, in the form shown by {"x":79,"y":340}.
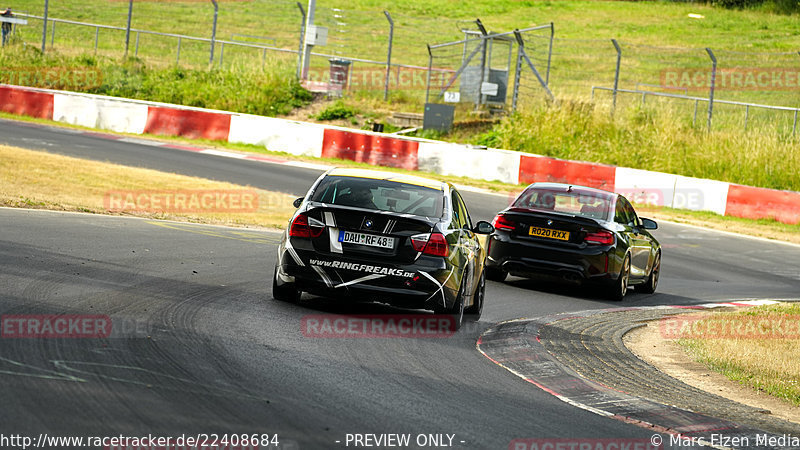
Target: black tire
{"x":618,"y":290}
{"x":457,"y":311}
{"x":474,"y":312}
{"x":285,"y":293}
{"x":495,"y":274}
{"x":650,"y":286}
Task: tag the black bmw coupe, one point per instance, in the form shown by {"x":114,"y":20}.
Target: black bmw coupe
{"x":577,"y":234}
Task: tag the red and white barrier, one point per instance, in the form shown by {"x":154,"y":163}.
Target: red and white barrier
{"x":278,"y":135}
{"x":300,"y":138}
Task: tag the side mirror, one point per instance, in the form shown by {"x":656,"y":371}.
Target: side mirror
{"x":649,"y":224}
{"x":298,"y":201}
{"x":483,"y":227}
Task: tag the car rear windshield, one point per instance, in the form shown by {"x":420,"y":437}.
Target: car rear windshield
{"x":579,"y":203}
{"x":382,"y":195}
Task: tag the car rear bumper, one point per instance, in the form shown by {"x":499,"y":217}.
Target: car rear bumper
{"x":428,"y":287}
{"x":532,"y":259}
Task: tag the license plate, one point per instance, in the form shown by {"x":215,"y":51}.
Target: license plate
{"x":548,"y":233}
{"x":371,"y":240}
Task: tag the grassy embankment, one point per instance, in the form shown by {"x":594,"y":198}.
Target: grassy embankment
{"x":759,"y":348}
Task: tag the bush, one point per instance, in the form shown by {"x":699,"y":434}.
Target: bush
{"x":338,"y":110}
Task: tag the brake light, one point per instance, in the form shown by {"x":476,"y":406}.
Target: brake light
{"x":500,"y":222}
{"x":599,"y":238}
{"x":433,"y":244}
{"x":301,"y":228}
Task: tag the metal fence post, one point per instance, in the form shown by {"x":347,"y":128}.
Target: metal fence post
{"x":483,"y":61}
{"x":221,"y":53}
{"x":53,"y":34}
{"x":302,"y":38}
{"x":213,"y":32}
{"x":137,"y":45}
{"x":713,"y":84}
{"x":128,"y":29}
{"x":96,"y":37}
{"x":430,"y":67}
{"x":388,"y":56}
{"x":312,"y":6}
{"x":178,"y":57}
{"x":44,"y":26}
{"x":616,"y":75}
{"x":794,"y":124}
{"x":549,"y":54}
{"x":517,"y":74}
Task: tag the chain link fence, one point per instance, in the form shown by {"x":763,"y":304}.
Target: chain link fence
{"x":386,"y":55}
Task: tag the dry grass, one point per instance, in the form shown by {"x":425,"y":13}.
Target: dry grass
{"x":765,"y":363}
{"x":33,"y":179}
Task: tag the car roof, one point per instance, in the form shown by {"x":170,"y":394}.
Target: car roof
{"x":388,"y":176}
{"x":575,"y":188}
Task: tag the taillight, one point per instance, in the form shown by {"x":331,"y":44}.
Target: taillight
{"x":433,"y":244}
{"x":599,"y":238}
{"x":500,"y":222}
{"x":301,"y":228}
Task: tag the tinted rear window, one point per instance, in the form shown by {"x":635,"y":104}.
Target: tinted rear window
{"x":578,"y":203}
{"x":382,"y":195}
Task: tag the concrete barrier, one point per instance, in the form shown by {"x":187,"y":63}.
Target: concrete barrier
{"x":372,"y":148}
{"x":190,"y":123}
{"x":534,"y":168}
{"x":278,"y":135}
{"x":26,"y":102}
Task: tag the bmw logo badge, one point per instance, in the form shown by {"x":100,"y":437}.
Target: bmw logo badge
{"x":368,"y":223}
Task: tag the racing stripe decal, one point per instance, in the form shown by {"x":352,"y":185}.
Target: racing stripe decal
{"x":441,"y":286}
{"x":360,"y":280}
{"x":293,"y":252}
{"x":323,"y":275}
{"x":333,"y":232}
{"x":330,"y":221}
{"x":336,"y":246}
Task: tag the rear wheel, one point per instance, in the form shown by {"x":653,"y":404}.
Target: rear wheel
{"x":620,"y":287}
{"x":650,"y":286}
{"x":474,"y":312}
{"x":287,"y":292}
{"x":495,"y":274}
{"x":457,"y":311}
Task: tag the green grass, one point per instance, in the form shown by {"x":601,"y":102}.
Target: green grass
{"x":766,"y":364}
{"x":654,"y":139}
{"x":268,"y":91}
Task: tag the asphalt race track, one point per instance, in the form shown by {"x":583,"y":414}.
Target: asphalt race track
{"x":199,"y":346}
